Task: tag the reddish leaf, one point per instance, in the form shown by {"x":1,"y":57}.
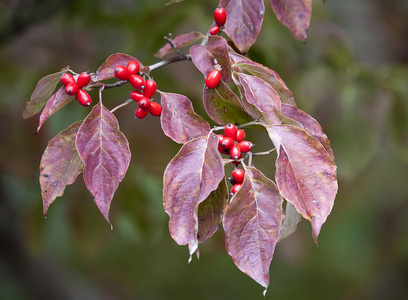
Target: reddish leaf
{"x":244,"y":21}
{"x":42,"y":92}
{"x":60,"y":165}
{"x":223,"y":106}
{"x":294,"y":14}
{"x":190,"y":177}
{"x":252,"y":222}
{"x":262,"y":96}
{"x":210,"y":212}
{"x":214,"y":53}
{"x":305,"y":174}
{"x":105,"y":153}
{"x":245,"y":65}
{"x":180,"y":41}
{"x":178,"y":119}
{"x":118,"y":59}
{"x":310,"y":125}
{"x":57,"y":101}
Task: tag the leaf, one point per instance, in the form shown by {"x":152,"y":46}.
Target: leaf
{"x":105,"y":153}
{"x":178,"y":119}
{"x":294,"y":14}
{"x":180,"y":41}
{"x":305,"y":174}
{"x":252,"y":222}
{"x":262,"y":96}
{"x":189,"y":178}
{"x":289,"y":225}
{"x":210,"y":212}
{"x":223,"y":106}
{"x":105,"y":71}
{"x":244,"y":21}
{"x":245,"y":65}
{"x":56,"y":102}
{"x":214,"y":53}
{"x":60,"y":165}
{"x":42,"y":92}
{"x":310,"y":125}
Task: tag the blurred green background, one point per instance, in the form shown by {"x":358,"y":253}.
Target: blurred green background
{"x":351,"y":75}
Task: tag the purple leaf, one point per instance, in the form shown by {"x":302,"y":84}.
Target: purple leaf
{"x":210,"y":212}
{"x":60,"y":165}
{"x":294,"y":14}
{"x":214,"y":53}
{"x":223,"y":106}
{"x":258,"y":93}
{"x":189,"y":178}
{"x":180,"y":41}
{"x":244,"y":21}
{"x":105,"y":153}
{"x":178,"y":119}
{"x":42,"y":92}
{"x":310,"y":125}
{"x":305,"y":173}
{"x":252,"y":222}
{"x":57,"y":101}
{"x":245,"y":65}
{"x":105,"y":71}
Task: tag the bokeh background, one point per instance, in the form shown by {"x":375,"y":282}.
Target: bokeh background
{"x":351,"y":75}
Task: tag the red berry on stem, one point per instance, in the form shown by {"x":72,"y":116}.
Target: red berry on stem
{"x":230,"y":130}
{"x":235,"y":153}
{"x":141,"y":113}
{"x":145,"y":103}
{"x":240,"y":135}
{"x":227,"y":143}
{"x":214,"y":30}
{"x":121,"y":73}
{"x":213,"y":79}
{"x":220,"y":16}
{"x":220,"y":138}
{"x":235,"y":188}
{"x":155,"y":109}
{"x":83,"y":79}
{"x":72,"y":89}
{"x":136,"y":95}
{"x":133,"y":67}
{"x":137,"y":82}
{"x":245,"y":146}
{"x":238,"y":175}
{"x":67,"y":79}
{"x":83,"y":98}
{"x":150,"y":88}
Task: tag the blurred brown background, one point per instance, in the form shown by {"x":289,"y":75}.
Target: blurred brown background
{"x":351,"y":75}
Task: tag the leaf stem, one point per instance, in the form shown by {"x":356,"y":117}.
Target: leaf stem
{"x":169,"y":61}
{"x":263,"y":153}
{"x":121,"y":105}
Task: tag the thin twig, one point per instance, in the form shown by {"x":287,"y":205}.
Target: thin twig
{"x":116,"y":84}
{"x":169,"y":40}
{"x":169,"y":61}
{"x":121,"y":105}
{"x":263,"y":153}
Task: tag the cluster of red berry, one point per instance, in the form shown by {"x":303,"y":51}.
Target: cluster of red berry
{"x":144,"y":89}
{"x":233,"y":144}
{"x":236,"y":180}
{"x":220,"y":17}
{"x":74,"y":87}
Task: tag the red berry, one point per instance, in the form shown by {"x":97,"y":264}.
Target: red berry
{"x":150,"y":88}
{"x":235,"y":188}
{"x":238,"y":175}
{"x":67,"y":79}
{"x":240,"y":135}
{"x":222,"y":150}
{"x":155,"y":109}
{"x":245,"y":146}
{"x":227,"y":143}
{"x":220,"y":16}
{"x":235,"y":153}
{"x":230,"y":130}
{"x":133,"y":67}
{"x":83,"y":98}
{"x":145,"y":103}
{"x":213,"y":79}
{"x":122,"y":73}
{"x":214,"y":30}
{"x":220,"y":138}
{"x":141,"y":113}
{"x":137,"y":82}
{"x":83,"y":79}
{"x":72,"y":89}
{"x":136,"y":95}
